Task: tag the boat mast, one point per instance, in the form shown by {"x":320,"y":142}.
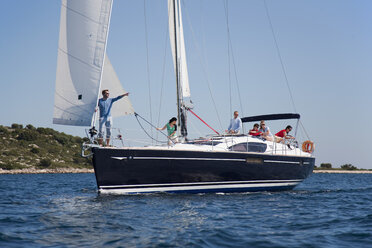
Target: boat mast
{"x":176,"y":25}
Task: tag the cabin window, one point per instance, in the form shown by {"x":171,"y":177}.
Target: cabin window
{"x":252,"y":147}
{"x":242,"y":147}
{"x":205,"y":142}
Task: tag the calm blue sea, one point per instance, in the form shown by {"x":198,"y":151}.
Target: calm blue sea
{"x":64,"y":210}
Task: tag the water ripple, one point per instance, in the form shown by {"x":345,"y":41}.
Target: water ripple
{"x":64,"y":210}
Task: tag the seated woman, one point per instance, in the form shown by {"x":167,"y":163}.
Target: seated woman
{"x":283,"y":134}
{"x":255,"y":132}
{"x":266,"y":134}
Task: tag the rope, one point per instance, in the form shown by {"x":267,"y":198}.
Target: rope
{"x":137,"y":115}
{"x":163,"y":75}
{"x":282,"y":64}
{"x":280,"y":56}
{"x":202,"y":120}
{"x":231,"y":53}
{"x":195,"y":128}
{"x":147,"y":60}
{"x":203,"y":65}
{"x":226,"y":5}
{"x":308,"y":137}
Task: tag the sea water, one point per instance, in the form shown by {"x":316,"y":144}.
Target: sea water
{"x":65,"y":210}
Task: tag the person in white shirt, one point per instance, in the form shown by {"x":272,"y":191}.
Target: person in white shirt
{"x":235,"y":124}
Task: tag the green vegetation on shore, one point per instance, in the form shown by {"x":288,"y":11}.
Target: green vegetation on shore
{"x":40,"y":148}
{"x":328,"y":166}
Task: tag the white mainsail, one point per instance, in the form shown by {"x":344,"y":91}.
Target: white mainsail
{"x":81,"y":58}
{"x":175,"y":22}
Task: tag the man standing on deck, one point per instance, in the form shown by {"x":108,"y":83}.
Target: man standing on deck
{"x":105,"y":119}
{"x":235,"y":124}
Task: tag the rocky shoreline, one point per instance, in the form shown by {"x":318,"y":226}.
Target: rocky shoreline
{"x":46,"y":171}
{"x":344,"y":171}
{"x":86,"y":170}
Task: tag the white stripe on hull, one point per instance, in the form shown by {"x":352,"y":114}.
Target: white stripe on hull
{"x":175,"y":158}
{"x":175,"y":188}
{"x":281,"y":161}
{"x":205,"y":159}
{"x":191,"y":184}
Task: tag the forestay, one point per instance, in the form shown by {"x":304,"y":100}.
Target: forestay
{"x":81,"y":58}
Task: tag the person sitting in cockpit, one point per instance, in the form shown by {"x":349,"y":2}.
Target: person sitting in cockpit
{"x":266,"y":134}
{"x":283,"y":134}
{"x":255,"y":132}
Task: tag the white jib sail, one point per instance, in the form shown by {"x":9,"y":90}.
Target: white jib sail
{"x":81,"y":50}
{"x":175,"y":22}
{"x":111,"y":82}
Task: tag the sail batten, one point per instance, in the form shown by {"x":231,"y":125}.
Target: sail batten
{"x":77,"y":59}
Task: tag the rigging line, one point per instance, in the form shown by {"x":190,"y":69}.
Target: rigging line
{"x":195,"y":128}
{"x":137,"y":115}
{"x":202,"y":34}
{"x":203,"y":65}
{"x":237,"y":82}
{"x":226,"y":6}
{"x":163,"y":74}
{"x":231,"y":54}
{"x":303,"y":127}
{"x":280,"y":56}
{"x":202,"y":120}
{"x":236,"y":76}
{"x":138,"y":141}
{"x":147,"y":132}
{"x":147,"y":60}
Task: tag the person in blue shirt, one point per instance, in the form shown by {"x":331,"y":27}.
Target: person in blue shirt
{"x":105,"y":119}
{"x":235,"y":124}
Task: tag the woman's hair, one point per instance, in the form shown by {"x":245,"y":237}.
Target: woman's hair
{"x":172,"y":120}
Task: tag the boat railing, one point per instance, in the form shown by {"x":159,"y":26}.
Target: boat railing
{"x":285,"y":147}
{"x":116,"y":138}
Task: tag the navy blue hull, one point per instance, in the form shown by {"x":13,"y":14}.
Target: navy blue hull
{"x":143,"y":171}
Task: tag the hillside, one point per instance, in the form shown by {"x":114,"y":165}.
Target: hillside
{"x":39,"y":148}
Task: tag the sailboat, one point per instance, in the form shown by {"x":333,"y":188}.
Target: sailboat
{"x":219,"y":163}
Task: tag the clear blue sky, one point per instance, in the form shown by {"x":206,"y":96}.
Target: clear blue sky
{"x":326,"y":47}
